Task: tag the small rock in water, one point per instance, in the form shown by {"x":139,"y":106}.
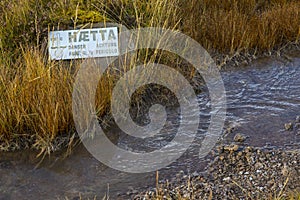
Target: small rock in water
{"x":229,"y":129}
{"x":239,"y":138}
{"x":195,"y":174}
{"x":297,"y":125}
{"x":297,"y":119}
{"x":135,"y":191}
{"x":288,"y":126}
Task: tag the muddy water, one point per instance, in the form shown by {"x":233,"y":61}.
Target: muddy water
{"x":261,"y":98}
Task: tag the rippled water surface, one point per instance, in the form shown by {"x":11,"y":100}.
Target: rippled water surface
{"x":261,"y":98}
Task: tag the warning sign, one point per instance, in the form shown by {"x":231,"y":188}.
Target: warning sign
{"x":83,"y":43}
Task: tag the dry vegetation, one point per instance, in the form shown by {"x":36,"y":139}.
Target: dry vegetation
{"x":35,"y":93}
{"x":231,"y":25}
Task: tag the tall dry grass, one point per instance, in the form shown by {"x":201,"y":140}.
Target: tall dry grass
{"x":240,"y":25}
{"x":35,"y":101}
{"x":35,"y":93}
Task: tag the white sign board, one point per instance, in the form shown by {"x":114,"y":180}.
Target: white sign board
{"x":83,"y":43}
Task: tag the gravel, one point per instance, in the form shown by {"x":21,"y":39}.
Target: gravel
{"x":236,"y":173}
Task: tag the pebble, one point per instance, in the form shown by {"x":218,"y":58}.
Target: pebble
{"x":195,"y":174}
{"x":135,"y":191}
{"x":260,"y":171}
{"x":297,"y":119}
{"x":288,"y":126}
{"x":258,"y":165}
{"x":229,"y":129}
{"x":239,"y":138}
{"x":231,"y":148}
{"x":285,"y":170}
{"x":297,"y":125}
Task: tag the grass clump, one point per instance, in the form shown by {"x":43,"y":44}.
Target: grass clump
{"x":35,"y":102}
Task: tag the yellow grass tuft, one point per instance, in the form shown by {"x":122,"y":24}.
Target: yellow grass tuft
{"x":35,"y":100}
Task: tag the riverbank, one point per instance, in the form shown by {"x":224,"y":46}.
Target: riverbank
{"x":236,"y":173}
